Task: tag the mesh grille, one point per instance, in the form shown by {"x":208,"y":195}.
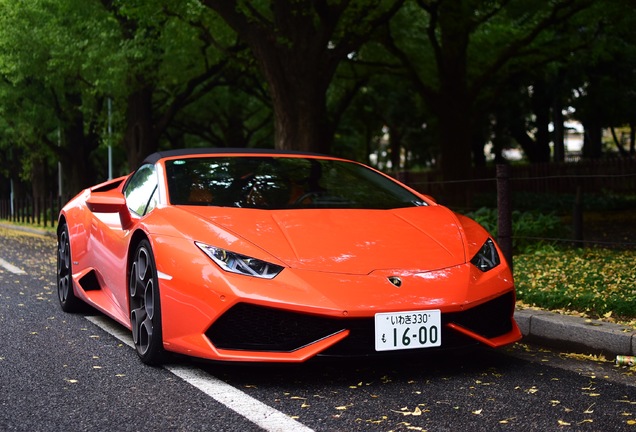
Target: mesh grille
{"x":490,"y":319}
{"x":257,"y":328}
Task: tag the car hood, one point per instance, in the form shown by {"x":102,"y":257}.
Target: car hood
{"x":348,"y":241}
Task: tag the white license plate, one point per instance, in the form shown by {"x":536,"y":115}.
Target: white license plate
{"x":408,"y":330}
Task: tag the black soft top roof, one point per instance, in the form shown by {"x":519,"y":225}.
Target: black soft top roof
{"x":154,"y":157}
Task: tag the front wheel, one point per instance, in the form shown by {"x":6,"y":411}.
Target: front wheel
{"x":145,"y":308}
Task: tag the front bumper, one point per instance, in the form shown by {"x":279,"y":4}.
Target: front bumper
{"x":252,"y":328}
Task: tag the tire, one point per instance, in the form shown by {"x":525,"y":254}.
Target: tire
{"x":65,"y":294}
{"x":145,"y":307}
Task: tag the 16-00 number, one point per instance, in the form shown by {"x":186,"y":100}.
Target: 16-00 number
{"x":424,"y":336}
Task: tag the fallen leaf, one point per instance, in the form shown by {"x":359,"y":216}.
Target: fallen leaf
{"x":405,"y":411}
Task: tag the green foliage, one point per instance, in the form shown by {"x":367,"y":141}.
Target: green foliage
{"x":531,"y":230}
{"x":61,"y":59}
{"x":597,"y":282}
{"x":563,"y":204}
{"x":57,"y":58}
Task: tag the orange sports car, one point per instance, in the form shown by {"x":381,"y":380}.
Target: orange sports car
{"x":266,"y":256}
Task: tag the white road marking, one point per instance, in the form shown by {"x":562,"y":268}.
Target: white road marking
{"x":252,"y":409}
{"x":10,"y":267}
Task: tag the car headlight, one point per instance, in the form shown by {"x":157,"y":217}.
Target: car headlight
{"x":487,"y":258}
{"x":240,"y":264}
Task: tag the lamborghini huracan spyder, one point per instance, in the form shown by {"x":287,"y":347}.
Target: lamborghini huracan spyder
{"x":269,"y":256}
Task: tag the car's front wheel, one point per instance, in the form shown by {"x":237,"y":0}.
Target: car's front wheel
{"x":65,"y":294}
{"x":145,"y":308}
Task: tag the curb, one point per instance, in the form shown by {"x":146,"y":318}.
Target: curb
{"x":594,"y":336}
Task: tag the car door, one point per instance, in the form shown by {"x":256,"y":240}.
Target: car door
{"x":109,"y":239}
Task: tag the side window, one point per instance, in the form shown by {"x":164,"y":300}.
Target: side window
{"x":141,"y":190}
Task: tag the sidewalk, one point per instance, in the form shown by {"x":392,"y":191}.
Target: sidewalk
{"x":565,"y":331}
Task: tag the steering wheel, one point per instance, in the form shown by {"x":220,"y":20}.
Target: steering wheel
{"x":303,"y":197}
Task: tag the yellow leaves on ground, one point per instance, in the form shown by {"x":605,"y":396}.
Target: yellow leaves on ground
{"x":406,"y":412}
{"x":532,"y":390}
{"x":597,"y":282}
{"x":591,"y":357}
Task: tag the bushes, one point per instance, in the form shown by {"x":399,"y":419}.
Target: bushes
{"x":530,"y":230}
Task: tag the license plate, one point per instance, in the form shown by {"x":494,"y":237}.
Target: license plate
{"x":408,"y":330}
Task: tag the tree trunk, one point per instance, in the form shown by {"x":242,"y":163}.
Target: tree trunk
{"x":557,"y":120}
{"x":300,"y":117}
{"x":298,"y":83}
{"x":140,"y":138}
{"x":38,"y":183}
{"x":632,"y":137}
{"x":592,"y":139}
{"x":455,"y":103}
{"x":78,"y":172}
{"x":541,"y":103}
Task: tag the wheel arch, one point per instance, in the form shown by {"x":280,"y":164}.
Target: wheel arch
{"x":60,"y":222}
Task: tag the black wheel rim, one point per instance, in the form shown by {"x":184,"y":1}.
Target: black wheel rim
{"x":63,"y":267}
{"x":142,"y":300}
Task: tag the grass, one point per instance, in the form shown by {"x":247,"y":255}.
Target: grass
{"x":593,"y":282}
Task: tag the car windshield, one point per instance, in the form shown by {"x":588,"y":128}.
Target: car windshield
{"x":271,"y":182}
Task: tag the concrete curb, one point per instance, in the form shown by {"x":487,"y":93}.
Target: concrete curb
{"x":593,"y":336}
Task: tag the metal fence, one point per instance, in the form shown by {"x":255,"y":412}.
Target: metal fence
{"x":41,"y":212}
{"x":617,"y":175}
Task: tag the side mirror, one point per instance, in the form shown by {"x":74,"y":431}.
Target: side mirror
{"x":110,"y":202}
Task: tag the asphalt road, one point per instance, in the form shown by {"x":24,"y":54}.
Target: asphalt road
{"x":62,"y":372}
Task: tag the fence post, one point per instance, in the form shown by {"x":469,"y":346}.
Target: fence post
{"x":577,"y":216}
{"x":504,"y":212}
{"x":52,"y":208}
{"x":37,"y":208}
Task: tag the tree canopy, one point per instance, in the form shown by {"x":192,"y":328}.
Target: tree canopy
{"x":396,"y":83}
